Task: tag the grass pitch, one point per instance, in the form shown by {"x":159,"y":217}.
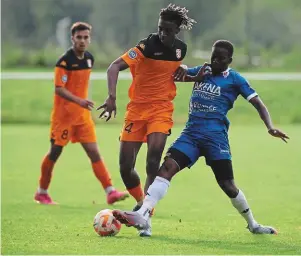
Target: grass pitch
{"x":194,"y":218}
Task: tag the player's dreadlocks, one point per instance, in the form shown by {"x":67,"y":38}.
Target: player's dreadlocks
{"x":178,"y":15}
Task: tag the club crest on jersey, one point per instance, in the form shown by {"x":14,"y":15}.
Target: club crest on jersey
{"x":178,"y":53}
{"x":64,"y":78}
{"x":89,"y":62}
{"x":132,"y":54}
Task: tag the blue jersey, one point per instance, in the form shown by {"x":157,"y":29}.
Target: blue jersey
{"x":212,"y":98}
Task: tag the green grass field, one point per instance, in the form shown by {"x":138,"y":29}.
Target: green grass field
{"x":30,"y":101}
{"x":194,"y":218}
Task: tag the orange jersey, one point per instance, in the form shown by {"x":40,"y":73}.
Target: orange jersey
{"x":73,"y":74}
{"x":152,"y":65}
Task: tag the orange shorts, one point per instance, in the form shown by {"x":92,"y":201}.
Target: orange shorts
{"x":62,"y":132}
{"x":142,"y":119}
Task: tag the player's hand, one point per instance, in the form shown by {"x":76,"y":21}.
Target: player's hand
{"x":88,"y":104}
{"x":278,"y":134}
{"x":205,"y":69}
{"x":108,"y":108}
{"x":180,"y":73}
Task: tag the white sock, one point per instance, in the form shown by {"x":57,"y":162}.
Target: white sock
{"x":42,"y":191}
{"x":155,"y":193}
{"x":109,"y":189}
{"x":241,"y":204}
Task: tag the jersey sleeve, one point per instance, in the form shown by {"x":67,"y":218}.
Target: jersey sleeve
{"x":245,"y":88}
{"x":61,"y":73}
{"x":135,"y":54}
{"x":193,"y":71}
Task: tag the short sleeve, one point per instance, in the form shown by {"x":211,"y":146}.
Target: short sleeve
{"x":133,"y":56}
{"x":193,"y":71}
{"x":244,"y":88}
{"x":61,"y":73}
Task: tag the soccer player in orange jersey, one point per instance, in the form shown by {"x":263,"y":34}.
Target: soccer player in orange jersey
{"x":149,"y":113}
{"x":71,"y":118}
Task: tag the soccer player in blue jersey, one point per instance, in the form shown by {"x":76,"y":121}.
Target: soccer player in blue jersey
{"x":206,"y":134}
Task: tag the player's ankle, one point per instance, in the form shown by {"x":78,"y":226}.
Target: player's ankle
{"x":140,"y":203}
{"x":253,"y":224}
{"x":42,"y":191}
{"x":109,"y":189}
{"x":145,"y":210}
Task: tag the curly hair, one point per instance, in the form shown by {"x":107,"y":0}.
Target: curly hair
{"x":178,"y":15}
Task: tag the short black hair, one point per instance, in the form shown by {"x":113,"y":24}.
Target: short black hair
{"x":178,"y":15}
{"x":226,"y":45}
{"x":80,"y":26}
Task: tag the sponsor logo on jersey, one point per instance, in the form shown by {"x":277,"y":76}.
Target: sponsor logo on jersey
{"x":199,"y":107}
{"x":208,"y":88}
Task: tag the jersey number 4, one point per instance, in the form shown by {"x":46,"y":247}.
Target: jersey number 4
{"x":128,"y":128}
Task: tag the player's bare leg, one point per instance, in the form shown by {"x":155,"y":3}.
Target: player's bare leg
{"x":155,"y":145}
{"x":47,"y":166}
{"x":127,"y":159}
{"x":102,"y":174}
{"x":157,"y":190}
{"x":224,"y":176}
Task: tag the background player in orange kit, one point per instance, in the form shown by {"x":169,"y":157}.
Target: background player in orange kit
{"x":71,"y":118}
{"x":149,"y":113}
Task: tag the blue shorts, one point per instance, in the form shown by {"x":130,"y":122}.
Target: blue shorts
{"x":212,"y":145}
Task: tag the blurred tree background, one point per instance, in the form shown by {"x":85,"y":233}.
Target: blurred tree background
{"x":266,"y":33}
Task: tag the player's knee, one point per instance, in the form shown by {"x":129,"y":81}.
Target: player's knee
{"x":153,"y":164}
{"x":228,"y":187}
{"x":125,"y":166}
{"x":93,"y":155}
{"x":55,"y":152}
{"x":168,"y":169}
{"x":130,"y":178}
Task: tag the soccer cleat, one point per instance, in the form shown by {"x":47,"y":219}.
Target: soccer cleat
{"x":262,"y":230}
{"x":137,"y":207}
{"x":116,"y":196}
{"x":131,"y":219}
{"x":43,"y":199}
{"x":146,"y":232}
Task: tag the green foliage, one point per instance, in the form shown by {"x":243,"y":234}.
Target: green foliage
{"x":258,"y":27}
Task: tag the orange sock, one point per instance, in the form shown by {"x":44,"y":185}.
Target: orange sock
{"x":137,"y":193}
{"x":46,"y":172}
{"x":102,"y":174}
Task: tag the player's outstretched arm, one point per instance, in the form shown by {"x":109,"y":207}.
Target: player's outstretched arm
{"x":66,"y":94}
{"x":265,"y":116}
{"x":182,"y":74}
{"x":109,"y":105}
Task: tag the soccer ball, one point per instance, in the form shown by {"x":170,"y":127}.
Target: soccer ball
{"x":105,"y":223}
